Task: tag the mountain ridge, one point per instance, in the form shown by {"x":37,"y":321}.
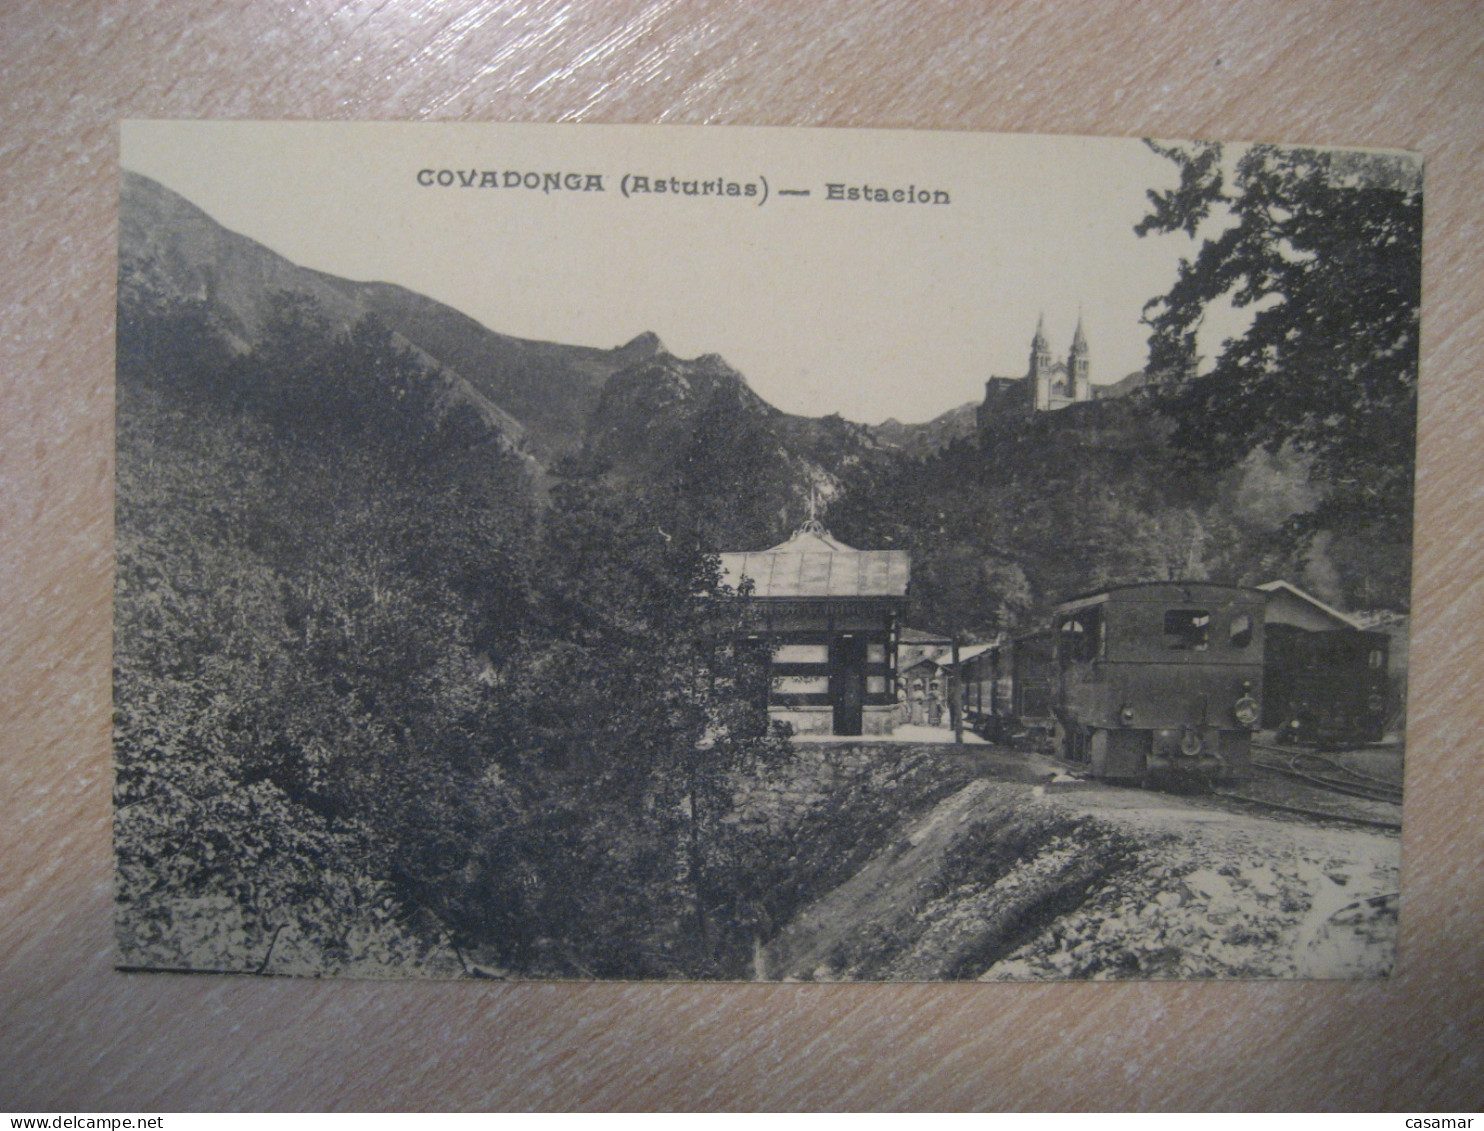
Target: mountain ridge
{"x":551,"y":389}
{"x":536,"y":392}
{"x":635,"y":407}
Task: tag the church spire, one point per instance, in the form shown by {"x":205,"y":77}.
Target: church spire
{"x":1079,"y":367}
{"x":1079,"y":340}
{"x":1039,"y":343}
{"x":1038,"y":377}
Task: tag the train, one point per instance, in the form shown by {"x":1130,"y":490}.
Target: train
{"x":1160,"y":680}
{"x":1171,"y":680}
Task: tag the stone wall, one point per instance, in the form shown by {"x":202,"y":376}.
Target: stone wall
{"x":821,"y":720}
{"x":821,"y":775}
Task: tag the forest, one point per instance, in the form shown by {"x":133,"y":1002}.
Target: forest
{"x":372,"y":715}
{"x":1041,"y":507}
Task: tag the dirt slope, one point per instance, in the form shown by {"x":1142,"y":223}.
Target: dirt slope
{"x":1004,"y":881}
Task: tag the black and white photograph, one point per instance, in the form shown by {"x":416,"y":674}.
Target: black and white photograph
{"x":681,"y":553}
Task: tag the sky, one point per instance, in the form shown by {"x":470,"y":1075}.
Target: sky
{"x":863,"y":308}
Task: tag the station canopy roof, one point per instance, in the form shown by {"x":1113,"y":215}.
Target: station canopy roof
{"x":812,"y":563}
{"x":1281,"y":591}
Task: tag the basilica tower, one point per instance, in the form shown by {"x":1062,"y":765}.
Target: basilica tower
{"x":1040,"y":377}
{"x":1079,"y":367}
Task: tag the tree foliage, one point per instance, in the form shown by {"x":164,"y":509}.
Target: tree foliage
{"x":374,"y":711}
{"x":1292,"y":457}
{"x":276,"y":644}
{"x":620,"y":720}
{"x":1323,"y":250}
{"x":1041,"y":506}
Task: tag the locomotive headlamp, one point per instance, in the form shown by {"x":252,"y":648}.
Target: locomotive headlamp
{"x":1126,"y":714}
{"x":1246,"y":709}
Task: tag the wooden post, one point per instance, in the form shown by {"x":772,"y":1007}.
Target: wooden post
{"x":956,"y":693}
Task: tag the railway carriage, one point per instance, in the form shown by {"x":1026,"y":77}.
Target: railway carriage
{"x":1326,"y":688}
{"x":1160,"y":680}
{"x":1008,"y":689}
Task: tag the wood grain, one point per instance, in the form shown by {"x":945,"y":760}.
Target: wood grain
{"x":76,"y":1035}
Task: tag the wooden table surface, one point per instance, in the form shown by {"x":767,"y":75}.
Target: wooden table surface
{"x":75,"y":1035}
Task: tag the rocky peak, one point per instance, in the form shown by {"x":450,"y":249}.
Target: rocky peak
{"x":643,"y":345}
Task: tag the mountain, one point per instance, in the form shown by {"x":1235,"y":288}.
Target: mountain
{"x":650,"y":412}
{"x":636,"y":408}
{"x":539,"y":394}
{"x":1129,"y":383}
{"x":551,"y":389}
{"x":924,"y":439}
{"x":751,"y":473}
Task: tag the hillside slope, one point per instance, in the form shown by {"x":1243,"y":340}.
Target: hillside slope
{"x":687,"y":425}
{"x":1002,"y":881}
{"x":537,"y":393}
{"x":924,"y":439}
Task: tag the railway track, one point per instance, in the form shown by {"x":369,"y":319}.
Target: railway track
{"x":1317,"y":785}
{"x":1304,"y":811}
{"x":1326,"y":772}
{"x":1308,"y":784}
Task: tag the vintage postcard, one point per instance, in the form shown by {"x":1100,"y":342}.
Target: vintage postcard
{"x":609,"y":552}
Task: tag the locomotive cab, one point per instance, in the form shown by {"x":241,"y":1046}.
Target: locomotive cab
{"x":1162,"y":680}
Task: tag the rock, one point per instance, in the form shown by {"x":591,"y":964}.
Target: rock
{"x":1010,"y":970}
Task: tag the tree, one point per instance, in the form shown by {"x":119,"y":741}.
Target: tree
{"x":625,"y":715}
{"x":725,"y":480}
{"x":1040,"y":507}
{"x":320,"y":556}
{"x":1324,"y":249}
{"x":378,"y":712}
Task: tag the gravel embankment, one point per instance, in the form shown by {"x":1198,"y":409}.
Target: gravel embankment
{"x":1006,"y":882}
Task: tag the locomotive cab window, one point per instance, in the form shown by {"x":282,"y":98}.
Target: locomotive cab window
{"x":1188,"y":630}
{"x":1081,"y":636}
{"x":1240,"y":633}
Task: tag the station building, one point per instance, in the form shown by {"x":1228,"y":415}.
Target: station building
{"x":834,"y":615}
